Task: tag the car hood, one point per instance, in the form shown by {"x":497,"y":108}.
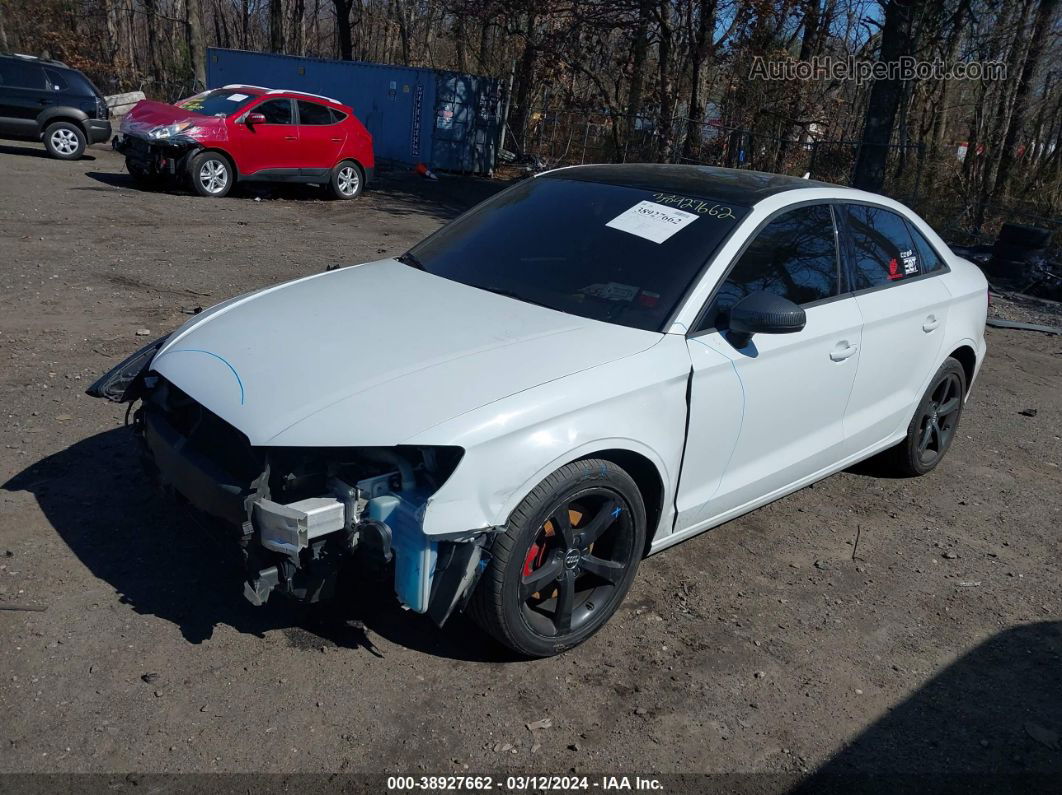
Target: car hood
{"x":148,"y":114}
{"x":373,"y":354}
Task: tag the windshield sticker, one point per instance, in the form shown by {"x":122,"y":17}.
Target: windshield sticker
{"x":613,"y":291}
{"x":236,"y":97}
{"x":694,"y":205}
{"x":651,"y":221}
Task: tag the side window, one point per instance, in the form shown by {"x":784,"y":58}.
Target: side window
{"x":337,"y":115}
{"x":17,"y":74}
{"x":794,"y":256}
{"x":56,"y":81}
{"x":928,"y":259}
{"x":276,"y":111}
{"x":882,"y":249}
{"x":312,"y":113}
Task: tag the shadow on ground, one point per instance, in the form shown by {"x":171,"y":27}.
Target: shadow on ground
{"x":989,"y":722}
{"x":160,"y":562}
{"x":31,"y":149}
{"x":397,"y":191}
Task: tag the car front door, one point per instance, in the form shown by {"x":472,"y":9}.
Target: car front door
{"x":22,"y":96}
{"x":770,"y":413}
{"x":904,"y":309}
{"x":320,"y":137}
{"x":270,"y":145}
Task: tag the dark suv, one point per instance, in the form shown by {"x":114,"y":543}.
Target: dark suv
{"x":45,"y":99}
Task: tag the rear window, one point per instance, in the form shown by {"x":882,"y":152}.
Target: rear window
{"x":312,"y":113}
{"x":69,"y":82}
{"x":220,"y":102}
{"x":929,"y":260}
{"x":882,"y":249}
{"x":607,"y":252}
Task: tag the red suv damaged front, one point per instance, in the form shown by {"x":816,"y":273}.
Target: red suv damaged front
{"x":251,"y":133}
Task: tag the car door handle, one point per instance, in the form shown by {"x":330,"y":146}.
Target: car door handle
{"x":337,"y":140}
{"x":290,"y":138}
{"x":839,"y":354}
{"x":930,"y":324}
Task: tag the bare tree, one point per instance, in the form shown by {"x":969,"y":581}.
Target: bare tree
{"x":885,"y":98}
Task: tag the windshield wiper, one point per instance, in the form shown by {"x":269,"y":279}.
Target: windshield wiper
{"x":517,"y":296}
{"x":411,"y":261}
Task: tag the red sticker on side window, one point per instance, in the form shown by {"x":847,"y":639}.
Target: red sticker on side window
{"x":894,"y":270}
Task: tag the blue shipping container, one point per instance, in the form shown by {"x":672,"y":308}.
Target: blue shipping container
{"x":445,"y":119}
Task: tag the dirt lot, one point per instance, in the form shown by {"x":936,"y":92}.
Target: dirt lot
{"x":869,"y":625}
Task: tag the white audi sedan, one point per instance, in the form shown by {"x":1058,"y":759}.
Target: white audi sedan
{"x":589,"y":367}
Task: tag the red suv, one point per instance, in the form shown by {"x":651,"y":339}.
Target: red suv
{"x":248,"y":133}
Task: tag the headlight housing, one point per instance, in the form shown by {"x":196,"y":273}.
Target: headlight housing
{"x":123,"y":383}
{"x":170,"y":130}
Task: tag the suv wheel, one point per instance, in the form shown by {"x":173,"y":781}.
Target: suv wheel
{"x":211,"y":174}
{"x":347,"y":180}
{"x":64,"y":140}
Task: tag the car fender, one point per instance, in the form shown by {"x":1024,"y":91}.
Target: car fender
{"x":636,"y":404}
{"x":61,"y":113}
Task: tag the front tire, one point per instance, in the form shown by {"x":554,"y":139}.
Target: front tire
{"x":64,"y":140}
{"x":347,"y":181}
{"x":212,"y":175}
{"x":565,"y":562}
{"x":933,"y":427}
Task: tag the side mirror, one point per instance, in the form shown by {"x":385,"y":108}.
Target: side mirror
{"x":255,"y":118}
{"x":763,"y":313}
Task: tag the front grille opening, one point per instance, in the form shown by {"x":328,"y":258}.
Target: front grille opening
{"x":206,"y":434}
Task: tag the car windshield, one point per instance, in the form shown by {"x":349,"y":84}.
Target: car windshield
{"x":221,"y":102}
{"x":607,"y":252}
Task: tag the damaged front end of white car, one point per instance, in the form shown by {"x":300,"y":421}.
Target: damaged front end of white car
{"x":300,"y":515}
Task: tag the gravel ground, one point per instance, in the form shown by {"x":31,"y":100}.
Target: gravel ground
{"x":869,"y":625}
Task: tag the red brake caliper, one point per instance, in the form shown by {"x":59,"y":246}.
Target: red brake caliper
{"x":531,"y":562}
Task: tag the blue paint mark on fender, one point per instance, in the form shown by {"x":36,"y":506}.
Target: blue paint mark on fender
{"x":221,"y":359}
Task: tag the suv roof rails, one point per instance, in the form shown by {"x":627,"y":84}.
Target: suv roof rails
{"x":26,"y":57}
{"x":302,"y":94}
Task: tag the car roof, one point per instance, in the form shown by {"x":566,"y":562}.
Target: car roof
{"x":262,"y":91}
{"x":731,"y":185}
{"x":18,"y":56}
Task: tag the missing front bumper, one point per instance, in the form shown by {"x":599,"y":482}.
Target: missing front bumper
{"x":298,"y":548}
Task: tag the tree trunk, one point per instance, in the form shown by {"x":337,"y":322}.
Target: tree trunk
{"x":462,"y":44}
{"x":640,"y":57}
{"x":525,"y":73}
{"x":885,"y":96}
{"x":3,"y":32}
{"x":1021,"y":100}
{"x":665,"y":85}
{"x":700,"y":50}
{"x":196,"y":47}
{"x":151,"y":10}
{"x":346,"y":45}
{"x":298,"y":27}
{"x":276,"y":25}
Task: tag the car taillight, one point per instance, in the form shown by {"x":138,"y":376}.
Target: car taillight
{"x":102,"y":111}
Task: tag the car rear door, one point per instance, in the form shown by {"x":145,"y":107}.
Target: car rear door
{"x":904,"y":307}
{"x":320,"y":137}
{"x":769,"y":414}
{"x":22,"y":96}
{"x":272,"y":146}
